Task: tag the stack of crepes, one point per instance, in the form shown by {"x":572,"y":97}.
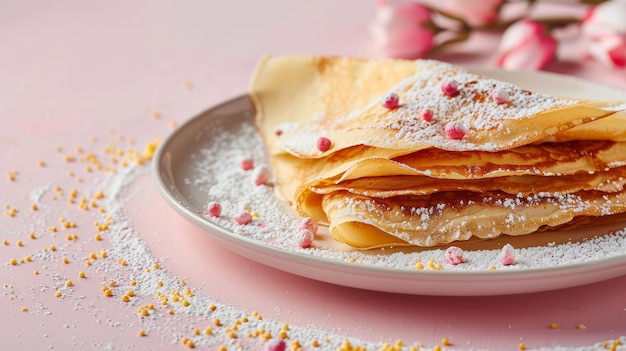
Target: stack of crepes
{"x":524,"y":162}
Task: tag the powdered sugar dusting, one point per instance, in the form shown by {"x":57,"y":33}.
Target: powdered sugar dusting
{"x":220,"y":177}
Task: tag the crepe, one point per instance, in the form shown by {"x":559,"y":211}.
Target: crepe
{"x":382,"y":159}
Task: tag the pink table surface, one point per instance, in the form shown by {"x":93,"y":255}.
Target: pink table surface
{"x":70,"y":71}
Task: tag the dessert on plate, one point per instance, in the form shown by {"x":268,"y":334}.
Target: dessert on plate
{"x":401,"y":153}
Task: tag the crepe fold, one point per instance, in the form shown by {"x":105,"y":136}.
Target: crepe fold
{"x":391,"y":177}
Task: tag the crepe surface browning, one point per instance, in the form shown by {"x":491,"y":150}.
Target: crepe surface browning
{"x":387,"y":168}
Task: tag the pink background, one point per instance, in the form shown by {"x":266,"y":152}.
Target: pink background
{"x":72,"y":70}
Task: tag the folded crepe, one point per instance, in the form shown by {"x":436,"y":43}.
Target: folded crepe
{"x":387,"y":168}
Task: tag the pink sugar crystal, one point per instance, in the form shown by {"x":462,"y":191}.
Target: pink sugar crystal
{"x":427,"y":115}
{"x":261,"y":175}
{"x":450,"y":87}
{"x":275,"y":344}
{"x":247,"y":164}
{"x":323,"y":144}
{"x":455,"y":130}
{"x":454,"y":255}
{"x":214,"y":209}
{"x":243,"y":218}
{"x":390,"y":101}
{"x":309,"y":224}
{"x":507,"y":255}
{"x":499,"y":97}
{"x":304,"y":238}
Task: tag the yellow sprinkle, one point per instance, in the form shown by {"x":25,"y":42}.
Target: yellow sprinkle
{"x":36,"y":272}
{"x":97,"y":237}
{"x":93,"y":256}
{"x":20,"y":243}
{"x":155,"y":114}
{"x":112,"y":283}
{"x":437,"y":348}
{"x":69,"y":158}
{"x":217,"y":322}
{"x":352,"y":260}
{"x":41,"y":163}
{"x":492,"y":268}
{"x":182,"y":282}
{"x":142,"y":332}
{"x":130,"y":293}
{"x":81,"y":275}
{"x":58,"y":294}
{"x":5,"y":242}
{"x":53,"y":229}
{"x":446,"y":342}
{"x":160,"y":283}
{"x":34,"y":207}
{"x":70,"y":173}
{"x":581,"y":326}
{"x":108,"y":293}
{"x":125,"y":298}
{"x":419,"y":266}
{"x":208,"y":331}
{"x":170,"y":311}
{"x":196,"y":331}
{"x":65,"y":260}
{"x":553,"y":326}
{"x":156,"y":266}
{"x":69,"y":283}
{"x":133,"y":282}
{"x":32,"y":236}
{"x":315,"y":343}
{"x":522,"y":346}
{"x":27,"y":258}
{"x":24,"y":309}
{"x":13,"y":262}
{"x":185,"y":303}
{"x":212,"y":307}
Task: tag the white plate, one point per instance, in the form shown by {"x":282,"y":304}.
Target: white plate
{"x":173,"y":167}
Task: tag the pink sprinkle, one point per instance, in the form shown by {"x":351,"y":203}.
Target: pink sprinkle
{"x":278,"y":132}
{"x":261,"y":175}
{"x":276,"y":344}
{"x":243,"y":218}
{"x":454,"y":255}
{"x":499,"y":96}
{"x":390,"y":101}
{"x":214,"y":209}
{"x":323,"y":144}
{"x":247,"y":164}
{"x":427,"y":115}
{"x":455,"y":130}
{"x":507,"y":255}
{"x":304,"y":238}
{"x":450,"y":87}
{"x":308,"y":224}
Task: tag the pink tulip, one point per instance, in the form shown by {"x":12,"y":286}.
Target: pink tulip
{"x":604,"y":31}
{"x":475,"y":13}
{"x":399,"y":29}
{"x":525,"y":46}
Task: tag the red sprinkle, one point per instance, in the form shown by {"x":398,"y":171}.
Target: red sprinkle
{"x":308,"y":224}
{"x":499,"y":96}
{"x":243,"y":218}
{"x":247,"y":164}
{"x":507,"y":255}
{"x":278,"y":132}
{"x":390,"y":101}
{"x":261,"y":175}
{"x":304,"y":238}
{"x":323,"y":144}
{"x":455,"y":130}
{"x":454,"y":255}
{"x":214,"y":209}
{"x":427,"y":115}
{"x":450,"y":87}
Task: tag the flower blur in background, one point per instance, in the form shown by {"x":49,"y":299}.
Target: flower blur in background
{"x":527,"y":39}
